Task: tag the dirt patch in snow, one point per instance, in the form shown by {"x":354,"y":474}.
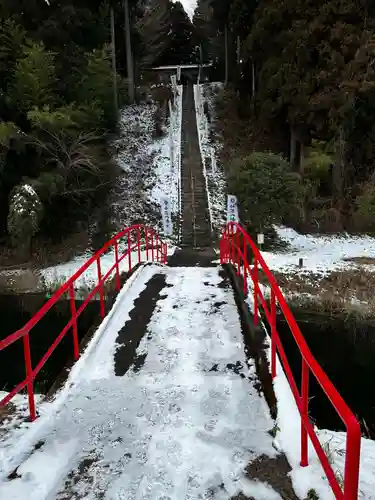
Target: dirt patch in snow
{"x":275,"y":472}
{"x":129,"y":337}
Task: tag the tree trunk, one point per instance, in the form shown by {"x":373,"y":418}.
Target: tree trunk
{"x":293,"y":147}
{"x":238,"y":50}
{"x":253,"y":79}
{"x":302,"y":159}
{"x":226,"y":55}
{"x":114,"y":69}
{"x":129,"y":53}
{"x":339,"y":170}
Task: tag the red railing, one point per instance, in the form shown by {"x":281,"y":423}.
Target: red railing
{"x":135,"y":239}
{"x":237,"y":248}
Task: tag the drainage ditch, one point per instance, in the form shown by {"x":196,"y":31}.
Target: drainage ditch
{"x":16,"y":310}
{"x":345,"y":349}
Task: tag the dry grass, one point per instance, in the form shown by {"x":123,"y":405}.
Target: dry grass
{"x":349,"y":291}
{"x":370,"y":261}
{"x":45,"y":253}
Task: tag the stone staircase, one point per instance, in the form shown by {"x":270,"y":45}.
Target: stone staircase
{"x":196,"y":226}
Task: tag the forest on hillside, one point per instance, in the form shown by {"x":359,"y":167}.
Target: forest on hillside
{"x":300,"y":94}
{"x":66,"y":68}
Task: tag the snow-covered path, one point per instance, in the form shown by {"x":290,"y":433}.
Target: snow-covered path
{"x":181,"y":424}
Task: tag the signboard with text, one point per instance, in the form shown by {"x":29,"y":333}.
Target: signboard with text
{"x":232,"y":209}
{"x":166,"y":214}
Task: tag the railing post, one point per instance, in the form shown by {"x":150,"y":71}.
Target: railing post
{"x":353,"y":453}
{"x":165,"y":253}
{"x":139,"y":244}
{"x":152,"y":247}
{"x":273,"y":334}
{"x":74,"y":322}
{"x":304,"y":413}
{"x":238,"y":252}
{"x":245,"y":266}
{"x":118,"y":281}
{"x":146,"y":238}
{"x":29,"y":375}
{"x":229,"y":245}
{"x":157,"y":247}
{"x":256,"y":285}
{"x":232,"y":256}
{"x":129,"y":253}
{"x":101,"y":294}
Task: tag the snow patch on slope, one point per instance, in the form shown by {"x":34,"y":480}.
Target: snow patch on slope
{"x":210,"y":147}
{"x":145,"y":161}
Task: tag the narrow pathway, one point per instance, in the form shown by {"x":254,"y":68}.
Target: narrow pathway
{"x":196,"y":226}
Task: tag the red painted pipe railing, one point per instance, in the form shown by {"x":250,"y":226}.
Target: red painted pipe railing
{"x":237,"y":248}
{"x":137,"y":238}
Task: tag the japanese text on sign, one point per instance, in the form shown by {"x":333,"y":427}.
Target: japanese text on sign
{"x":166,"y":216}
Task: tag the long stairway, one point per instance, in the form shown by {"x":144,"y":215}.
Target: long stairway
{"x":196,"y":227}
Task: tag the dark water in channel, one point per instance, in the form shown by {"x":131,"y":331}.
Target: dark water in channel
{"x":345,"y":349}
{"x":15,"y":311}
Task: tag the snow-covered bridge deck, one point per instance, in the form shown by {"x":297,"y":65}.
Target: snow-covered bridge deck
{"x":181,"y":420}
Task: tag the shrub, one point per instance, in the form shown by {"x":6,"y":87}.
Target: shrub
{"x":317,"y":167}
{"x":34,"y":78}
{"x":96,"y":84}
{"x":25,"y":214}
{"x":268,"y":191}
{"x":364,"y":215}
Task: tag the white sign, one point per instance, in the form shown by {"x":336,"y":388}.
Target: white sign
{"x":166,"y":215}
{"x":260,"y":239}
{"x":232,"y":209}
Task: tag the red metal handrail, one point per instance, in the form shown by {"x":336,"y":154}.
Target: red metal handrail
{"x":137,"y":237}
{"x":234,"y":246}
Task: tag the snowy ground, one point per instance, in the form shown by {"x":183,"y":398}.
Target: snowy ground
{"x":320,"y":254}
{"x":210,"y":148}
{"x":174,"y":429}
